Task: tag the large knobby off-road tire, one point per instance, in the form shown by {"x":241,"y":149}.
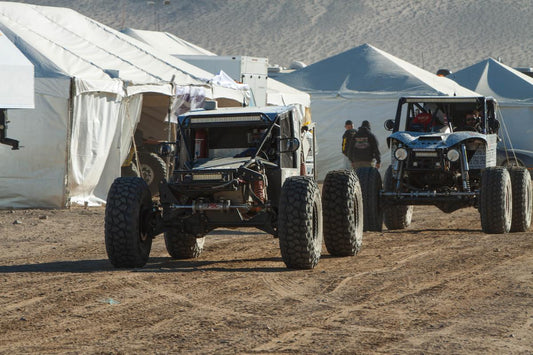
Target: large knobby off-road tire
{"x":370,"y":181}
{"x":496,"y":200}
{"x":522,"y":198}
{"x":153,"y":170}
{"x":300,"y":223}
{"x":129,"y":203}
{"x":395,"y":216}
{"x":342,"y":210}
{"x":183,"y":245}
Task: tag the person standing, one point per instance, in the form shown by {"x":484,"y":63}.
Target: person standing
{"x":347,"y":139}
{"x":364,"y":148}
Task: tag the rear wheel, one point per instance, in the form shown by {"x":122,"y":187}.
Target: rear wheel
{"x":522,"y":198}
{"x":395,"y":216}
{"x":153,"y":170}
{"x":496,"y":201}
{"x":300,"y":223}
{"x":342,"y":203}
{"x":128,"y":209}
{"x":370,"y":181}
{"x":183,"y":245}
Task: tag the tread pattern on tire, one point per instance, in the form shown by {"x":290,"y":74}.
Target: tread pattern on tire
{"x":495,"y":184}
{"x":300,"y":223}
{"x":395,"y":217}
{"x":183,"y":246}
{"x":342,"y":204}
{"x":370,"y":181}
{"x":127,"y":200}
{"x":522,"y":198}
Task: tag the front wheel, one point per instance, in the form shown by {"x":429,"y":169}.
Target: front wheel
{"x":342,"y":203}
{"x":128,"y":208}
{"x":300,"y":223}
{"x":522,"y":198}
{"x":496,"y":201}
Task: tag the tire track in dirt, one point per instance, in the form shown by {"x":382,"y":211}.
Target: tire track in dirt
{"x":427,"y":290}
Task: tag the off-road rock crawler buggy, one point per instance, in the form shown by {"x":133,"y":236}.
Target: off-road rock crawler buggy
{"x":238,"y":167}
{"x":437,"y":158}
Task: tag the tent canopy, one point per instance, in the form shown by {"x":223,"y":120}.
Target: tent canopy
{"x":65,"y":43}
{"x":16,"y":71}
{"x":492,"y":78}
{"x":367,"y":69}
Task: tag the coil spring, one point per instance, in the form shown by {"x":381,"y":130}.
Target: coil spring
{"x":259,"y":189}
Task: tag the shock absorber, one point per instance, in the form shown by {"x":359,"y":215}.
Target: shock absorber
{"x":464,"y":169}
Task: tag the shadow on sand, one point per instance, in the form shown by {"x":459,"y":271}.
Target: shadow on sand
{"x":155,"y":264}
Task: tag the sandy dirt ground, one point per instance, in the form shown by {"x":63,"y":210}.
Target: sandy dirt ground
{"x":440,"y":287}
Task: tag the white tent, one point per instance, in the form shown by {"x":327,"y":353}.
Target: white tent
{"x":92,"y":84}
{"x":16,"y":87}
{"x":363,"y":83}
{"x":277,"y":92}
{"x":513,"y":91}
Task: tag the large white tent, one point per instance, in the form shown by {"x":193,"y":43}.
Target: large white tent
{"x":92,"y":84}
{"x":277,"y":92}
{"x":513,"y":91}
{"x":363,"y":83}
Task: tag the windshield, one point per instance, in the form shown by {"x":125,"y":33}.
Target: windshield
{"x":442,"y":116}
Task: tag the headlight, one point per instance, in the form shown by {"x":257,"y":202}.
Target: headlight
{"x":453,"y":155}
{"x":400,"y":154}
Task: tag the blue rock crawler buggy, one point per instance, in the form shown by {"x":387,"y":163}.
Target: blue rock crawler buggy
{"x":447,"y":163}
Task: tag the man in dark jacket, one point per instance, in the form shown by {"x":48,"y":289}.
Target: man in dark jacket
{"x":347,"y":138}
{"x":364,"y":148}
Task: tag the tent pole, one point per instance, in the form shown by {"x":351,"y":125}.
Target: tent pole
{"x":66,"y":192}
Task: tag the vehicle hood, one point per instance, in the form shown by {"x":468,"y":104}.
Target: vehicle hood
{"x":433,"y":140}
{"x":220,"y":163}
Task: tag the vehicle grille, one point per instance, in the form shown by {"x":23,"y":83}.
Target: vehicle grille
{"x":425,"y":160}
{"x":203,"y":176}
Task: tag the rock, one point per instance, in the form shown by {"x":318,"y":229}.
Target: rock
{"x":17,"y":222}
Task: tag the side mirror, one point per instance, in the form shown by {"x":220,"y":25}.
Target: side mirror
{"x":389,"y":125}
{"x":289,"y":145}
